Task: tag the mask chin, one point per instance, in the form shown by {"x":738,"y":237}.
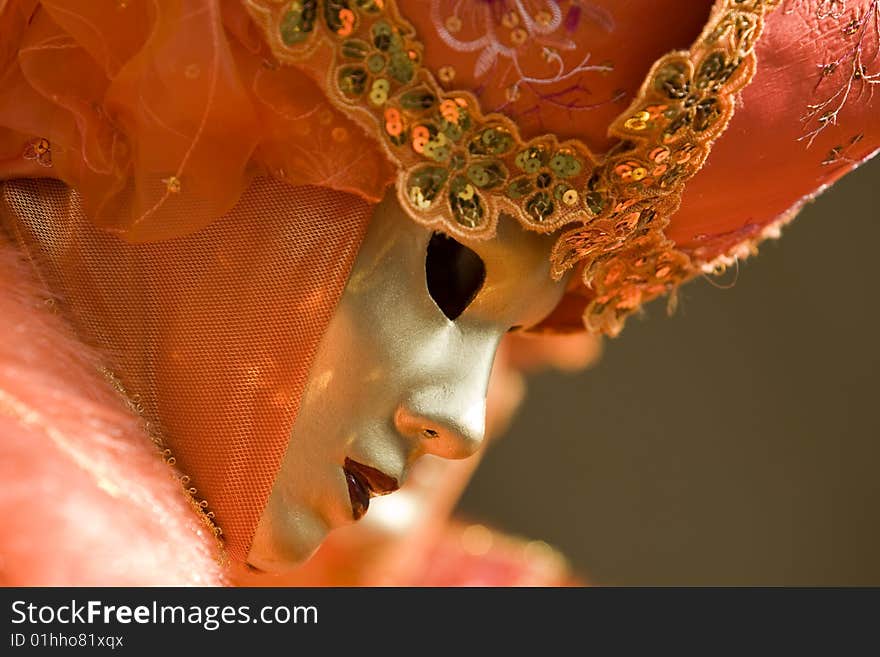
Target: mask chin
{"x":285,"y":538}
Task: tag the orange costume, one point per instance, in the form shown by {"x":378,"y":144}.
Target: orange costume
{"x":191,"y":180}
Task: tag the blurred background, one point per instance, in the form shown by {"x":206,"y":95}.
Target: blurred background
{"x":734,"y":443}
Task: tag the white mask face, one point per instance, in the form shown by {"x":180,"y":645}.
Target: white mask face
{"x":401,"y":371}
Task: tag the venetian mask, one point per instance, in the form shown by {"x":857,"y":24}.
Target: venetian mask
{"x":401,"y":371}
{"x":206,"y":268}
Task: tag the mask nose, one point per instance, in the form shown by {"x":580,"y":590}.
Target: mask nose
{"x":447,"y":422}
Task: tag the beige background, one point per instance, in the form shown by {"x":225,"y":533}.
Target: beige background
{"x":737,"y":442}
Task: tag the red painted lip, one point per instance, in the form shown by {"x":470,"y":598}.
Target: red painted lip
{"x":365,"y":482}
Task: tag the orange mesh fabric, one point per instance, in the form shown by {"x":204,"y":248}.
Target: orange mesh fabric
{"x":212,"y":334}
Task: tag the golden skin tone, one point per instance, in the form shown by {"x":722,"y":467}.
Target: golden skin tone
{"x":394,"y":378}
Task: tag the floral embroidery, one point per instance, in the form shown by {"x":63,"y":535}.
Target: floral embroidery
{"x":40,"y":150}
{"x":459,"y":169}
{"x":841,"y":152}
{"x":500,"y":30}
{"x":857,"y":63}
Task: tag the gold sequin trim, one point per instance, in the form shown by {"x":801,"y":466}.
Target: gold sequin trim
{"x":459,"y":169}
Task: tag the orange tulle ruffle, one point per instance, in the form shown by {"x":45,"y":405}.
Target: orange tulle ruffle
{"x":160,"y":114}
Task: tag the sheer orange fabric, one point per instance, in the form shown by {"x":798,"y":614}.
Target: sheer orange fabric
{"x":160,"y":113}
{"x":184,"y":245}
{"x":210,"y":336}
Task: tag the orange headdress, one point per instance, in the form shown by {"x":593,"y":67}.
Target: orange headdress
{"x":186,"y":245}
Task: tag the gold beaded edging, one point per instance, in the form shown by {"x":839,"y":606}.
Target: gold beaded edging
{"x":200,"y":506}
{"x":459,"y":169}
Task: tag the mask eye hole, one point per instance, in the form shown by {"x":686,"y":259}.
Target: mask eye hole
{"x":454,"y":274}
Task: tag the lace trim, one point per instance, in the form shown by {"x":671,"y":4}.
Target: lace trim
{"x":459,"y":169}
